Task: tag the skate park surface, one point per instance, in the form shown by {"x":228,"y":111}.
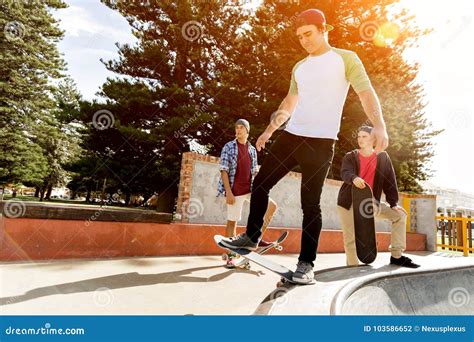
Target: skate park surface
{"x":200,"y":285}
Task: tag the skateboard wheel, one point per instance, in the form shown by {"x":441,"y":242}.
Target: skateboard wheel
{"x":247,"y":266}
{"x":281,"y":283}
{"x":279,"y":248}
{"x":224,"y":257}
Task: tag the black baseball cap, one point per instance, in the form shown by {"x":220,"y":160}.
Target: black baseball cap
{"x":312,"y":16}
{"x":365,"y":128}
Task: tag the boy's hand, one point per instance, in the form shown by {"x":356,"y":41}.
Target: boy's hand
{"x":230,"y":198}
{"x":359,"y":182}
{"x":399,"y":209}
{"x":262,"y":139}
{"x":379,"y":134}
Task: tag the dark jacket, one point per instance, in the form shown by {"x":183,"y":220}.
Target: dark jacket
{"x":385,"y":179}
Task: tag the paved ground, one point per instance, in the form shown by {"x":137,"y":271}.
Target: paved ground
{"x":443,"y":285}
{"x":147,"y":286}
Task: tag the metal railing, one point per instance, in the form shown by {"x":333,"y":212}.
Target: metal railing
{"x":454,"y":233}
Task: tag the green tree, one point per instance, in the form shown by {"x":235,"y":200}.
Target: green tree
{"x":257,"y":78}
{"x":162,"y":107}
{"x":29,"y":61}
{"x":59,"y":136}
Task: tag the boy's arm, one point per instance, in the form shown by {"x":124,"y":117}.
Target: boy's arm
{"x":372,"y":109}
{"x":254,"y":163}
{"x":224,"y":169}
{"x":390,"y":184}
{"x":348,"y":172}
{"x":225,"y":180}
{"x":283,"y":113}
{"x":358,"y":78}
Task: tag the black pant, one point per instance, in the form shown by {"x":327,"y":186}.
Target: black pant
{"x":314,"y":156}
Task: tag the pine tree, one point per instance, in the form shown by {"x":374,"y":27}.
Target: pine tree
{"x":378,"y":36}
{"x":29,"y":61}
{"x":59,"y":136}
{"x":162,"y":108}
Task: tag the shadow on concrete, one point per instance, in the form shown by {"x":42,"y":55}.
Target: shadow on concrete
{"x":125,"y":280}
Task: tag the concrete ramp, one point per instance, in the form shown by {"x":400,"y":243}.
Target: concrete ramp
{"x":443,"y":285}
{"x":436,"y":293}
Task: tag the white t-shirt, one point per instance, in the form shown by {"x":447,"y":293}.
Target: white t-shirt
{"x":322,"y":83}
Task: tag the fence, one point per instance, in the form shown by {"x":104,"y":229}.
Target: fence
{"x":454,"y":232}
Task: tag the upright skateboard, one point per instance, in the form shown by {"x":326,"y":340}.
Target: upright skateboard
{"x":364,"y":224}
{"x":285,"y":274}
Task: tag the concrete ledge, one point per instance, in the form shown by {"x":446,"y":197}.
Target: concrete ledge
{"x":43,"y":239}
{"x":80,"y":212}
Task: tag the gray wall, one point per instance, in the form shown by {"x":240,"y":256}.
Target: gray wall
{"x":205,"y":207}
{"x":426,"y":221}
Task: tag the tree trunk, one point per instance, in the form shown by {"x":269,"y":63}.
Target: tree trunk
{"x":48,"y":192}
{"x":14,"y":193}
{"x":102,"y":193}
{"x":127,"y":198}
{"x":88,"y":196}
{"x":37,"y":191}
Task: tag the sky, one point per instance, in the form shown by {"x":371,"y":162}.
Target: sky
{"x":445,"y":57}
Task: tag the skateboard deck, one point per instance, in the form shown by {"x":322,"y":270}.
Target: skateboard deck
{"x":364,"y":224}
{"x":285,"y":273}
{"x":275,"y":244}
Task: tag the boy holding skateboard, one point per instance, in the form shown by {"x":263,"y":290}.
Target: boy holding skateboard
{"x":363,"y":167}
{"x":238,"y":166}
{"x":318,"y":89}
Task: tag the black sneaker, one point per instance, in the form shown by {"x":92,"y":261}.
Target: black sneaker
{"x":403,"y":261}
{"x":240,"y":241}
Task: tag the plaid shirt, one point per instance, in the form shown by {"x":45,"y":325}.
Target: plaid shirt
{"x":228,"y":163}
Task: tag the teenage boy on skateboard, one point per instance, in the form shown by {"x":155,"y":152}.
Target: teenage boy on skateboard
{"x":362,"y":166}
{"x":238,"y":166}
{"x":318,"y":90}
